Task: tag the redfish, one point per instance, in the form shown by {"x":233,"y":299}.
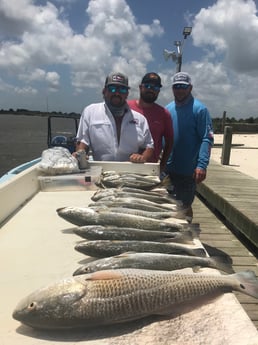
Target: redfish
{"x":115,"y":296}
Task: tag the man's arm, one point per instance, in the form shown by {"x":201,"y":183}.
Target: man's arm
{"x":81,"y":146}
{"x":165,"y":154}
{"x":205,"y":148}
{"x":144,"y":157}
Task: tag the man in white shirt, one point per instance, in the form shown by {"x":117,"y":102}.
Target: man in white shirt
{"x":111,"y":129}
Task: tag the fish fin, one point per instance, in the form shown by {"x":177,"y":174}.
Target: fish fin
{"x":104,"y":275}
{"x":196,"y":269}
{"x":248,"y":283}
{"x":199,"y":252}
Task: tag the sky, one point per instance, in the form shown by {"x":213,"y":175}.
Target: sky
{"x":55,"y":55}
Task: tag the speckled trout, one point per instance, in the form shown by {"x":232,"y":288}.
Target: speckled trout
{"x":99,"y":232}
{"x":116,"y":192}
{"x":115,"y":296}
{"x":144,"y":213}
{"x":105,"y":248}
{"x":153,"y":261}
{"x":137,"y":203}
{"x":87,"y":216}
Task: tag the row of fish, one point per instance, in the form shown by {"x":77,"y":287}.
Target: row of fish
{"x":116,"y":230}
{"x":139,"y":251}
{"x":113,"y":179}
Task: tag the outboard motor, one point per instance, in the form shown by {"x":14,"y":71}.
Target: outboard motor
{"x":60,"y":140}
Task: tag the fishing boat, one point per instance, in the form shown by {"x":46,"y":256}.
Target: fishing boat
{"x":55,"y":137}
{"x":37,"y":248}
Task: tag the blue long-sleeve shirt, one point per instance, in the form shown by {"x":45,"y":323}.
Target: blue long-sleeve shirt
{"x":193,"y":137}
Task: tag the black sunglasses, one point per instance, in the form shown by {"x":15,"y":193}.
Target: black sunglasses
{"x":151,"y":87}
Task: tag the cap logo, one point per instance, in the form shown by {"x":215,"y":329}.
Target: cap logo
{"x":180,"y":77}
{"x":153,"y":76}
{"x":118,"y":78}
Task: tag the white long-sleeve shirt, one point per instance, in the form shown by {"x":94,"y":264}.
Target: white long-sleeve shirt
{"x":97,"y":129}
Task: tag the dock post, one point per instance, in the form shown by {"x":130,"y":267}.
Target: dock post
{"x":223,"y":122}
{"x":226,"y":148}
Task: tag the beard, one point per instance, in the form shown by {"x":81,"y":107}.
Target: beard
{"x":116,"y":101}
{"x":116,"y":108}
{"x":149,"y":97}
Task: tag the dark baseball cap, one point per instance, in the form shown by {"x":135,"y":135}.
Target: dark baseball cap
{"x":117,"y":78}
{"x":153,"y":78}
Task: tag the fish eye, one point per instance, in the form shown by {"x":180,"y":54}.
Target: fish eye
{"x":32,"y":306}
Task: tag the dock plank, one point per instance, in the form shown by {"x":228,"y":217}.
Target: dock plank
{"x":230,"y":246}
{"x":233,"y":195}
{"x":221,"y":208}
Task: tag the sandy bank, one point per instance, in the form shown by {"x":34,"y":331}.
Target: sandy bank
{"x":243,"y":158}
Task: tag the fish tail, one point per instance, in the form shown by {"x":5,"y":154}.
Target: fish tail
{"x":192,"y":226}
{"x":195,"y":232}
{"x":165,"y":182}
{"x":186,"y":238}
{"x":222,"y":264}
{"x":248,"y":283}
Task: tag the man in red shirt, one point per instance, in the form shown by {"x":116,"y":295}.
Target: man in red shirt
{"x":158,"y":118}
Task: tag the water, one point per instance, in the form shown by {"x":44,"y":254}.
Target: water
{"x":23,"y":138}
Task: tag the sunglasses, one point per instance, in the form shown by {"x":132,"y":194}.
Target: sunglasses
{"x":152,"y":87}
{"x":120,"y":89}
{"x":180,"y":86}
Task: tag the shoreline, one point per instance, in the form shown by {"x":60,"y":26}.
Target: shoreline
{"x":243,"y":154}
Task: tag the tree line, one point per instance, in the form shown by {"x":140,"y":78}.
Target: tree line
{"x":218,"y":122}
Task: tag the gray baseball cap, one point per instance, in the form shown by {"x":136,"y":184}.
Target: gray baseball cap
{"x":181,"y":78}
{"x":117,"y":78}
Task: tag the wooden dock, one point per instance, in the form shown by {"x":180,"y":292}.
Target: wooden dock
{"x":226,"y":208}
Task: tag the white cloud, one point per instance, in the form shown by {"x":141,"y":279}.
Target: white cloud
{"x":40,"y":52}
{"x":230,"y":28}
{"x":25,"y":90}
{"x":38,"y":75}
{"x":227,"y":33}
{"x":53,"y":80}
{"x":108,"y":42}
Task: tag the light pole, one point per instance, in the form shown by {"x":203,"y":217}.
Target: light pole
{"x":178,"y":55}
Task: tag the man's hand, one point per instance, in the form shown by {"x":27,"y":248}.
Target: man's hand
{"x":137,"y":158}
{"x":199,"y":175}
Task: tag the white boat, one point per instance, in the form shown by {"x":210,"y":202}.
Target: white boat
{"x":37,"y":248}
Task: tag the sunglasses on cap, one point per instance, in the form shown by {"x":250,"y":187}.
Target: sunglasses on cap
{"x":181,"y":86}
{"x":115,"y":88}
{"x":151,"y":87}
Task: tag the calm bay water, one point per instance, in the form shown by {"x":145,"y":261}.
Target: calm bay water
{"x":24,"y":137}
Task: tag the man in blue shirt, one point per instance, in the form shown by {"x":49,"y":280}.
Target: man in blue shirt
{"x":193,"y":139}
